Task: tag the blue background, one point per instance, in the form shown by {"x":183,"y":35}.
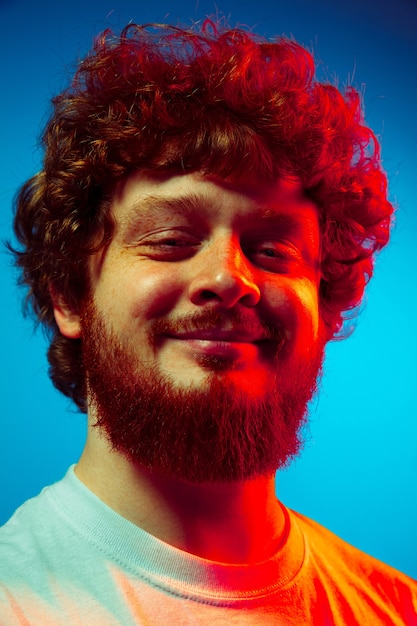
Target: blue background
{"x":358,"y":473}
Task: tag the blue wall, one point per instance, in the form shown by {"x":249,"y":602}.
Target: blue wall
{"x":358,"y":473}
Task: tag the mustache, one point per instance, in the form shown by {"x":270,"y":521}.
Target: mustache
{"x":222,"y":320}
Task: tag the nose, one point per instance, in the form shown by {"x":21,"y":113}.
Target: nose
{"x":223,"y":275}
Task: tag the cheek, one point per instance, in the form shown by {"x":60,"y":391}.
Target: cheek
{"x":309,"y":308}
{"x":295,"y":305}
{"x":157,"y":293}
{"x":129,"y":293}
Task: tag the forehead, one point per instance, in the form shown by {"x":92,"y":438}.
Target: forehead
{"x":145,"y":196}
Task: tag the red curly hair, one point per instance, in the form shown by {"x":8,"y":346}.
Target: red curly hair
{"x":219,"y":101}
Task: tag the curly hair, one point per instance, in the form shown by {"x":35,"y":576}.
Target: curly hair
{"x":217,"y":100}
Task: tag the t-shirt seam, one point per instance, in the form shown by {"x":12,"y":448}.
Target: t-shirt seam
{"x":283,"y":585}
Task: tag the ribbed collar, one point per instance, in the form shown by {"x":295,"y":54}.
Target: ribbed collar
{"x":141,"y":554}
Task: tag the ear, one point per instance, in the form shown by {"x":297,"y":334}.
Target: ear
{"x":67,"y":319}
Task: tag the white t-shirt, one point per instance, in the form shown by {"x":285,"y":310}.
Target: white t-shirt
{"x":67,"y":558}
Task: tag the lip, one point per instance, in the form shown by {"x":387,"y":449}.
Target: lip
{"x":229,"y":345}
{"x":219,"y":336}
{"x":228,"y":349}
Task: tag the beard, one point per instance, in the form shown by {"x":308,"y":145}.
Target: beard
{"x":218,"y":432}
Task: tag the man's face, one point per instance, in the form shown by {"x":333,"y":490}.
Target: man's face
{"x":202,"y":338}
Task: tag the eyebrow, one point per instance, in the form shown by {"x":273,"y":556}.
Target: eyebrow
{"x":149,"y":207}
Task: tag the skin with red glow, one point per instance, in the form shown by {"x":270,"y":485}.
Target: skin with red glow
{"x":226,"y":247}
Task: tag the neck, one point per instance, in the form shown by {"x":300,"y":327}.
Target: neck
{"x":240,"y":522}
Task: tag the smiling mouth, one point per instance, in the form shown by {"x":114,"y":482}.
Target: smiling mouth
{"x":221,"y":335}
{"x":219,"y":349}
{"x":217,"y":335}
{"x":227,"y":348}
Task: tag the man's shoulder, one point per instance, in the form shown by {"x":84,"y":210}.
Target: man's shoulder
{"x":20,"y":533}
{"x":29,"y":530}
{"x":340,"y":564}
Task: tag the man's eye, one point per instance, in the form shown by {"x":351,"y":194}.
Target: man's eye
{"x":167,"y":247}
{"x":172,"y":242}
{"x":275,"y":255}
{"x":271,"y":252}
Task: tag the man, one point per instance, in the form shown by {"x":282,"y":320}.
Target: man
{"x":206,"y":215}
